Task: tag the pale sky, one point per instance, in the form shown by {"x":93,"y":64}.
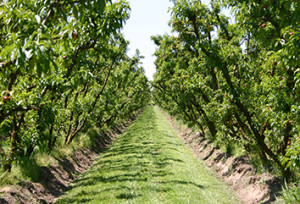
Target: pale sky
{"x":147,"y":18}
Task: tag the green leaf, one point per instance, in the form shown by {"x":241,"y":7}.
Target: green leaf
{"x":100,"y":6}
{"x":7,"y":51}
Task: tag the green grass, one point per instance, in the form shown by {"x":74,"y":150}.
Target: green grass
{"x":149,"y":163}
{"x":290,"y":194}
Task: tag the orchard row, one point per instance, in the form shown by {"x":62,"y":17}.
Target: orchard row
{"x":63,"y":70}
{"x":237,"y":80}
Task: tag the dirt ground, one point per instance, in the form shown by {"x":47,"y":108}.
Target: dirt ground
{"x":238,"y":173}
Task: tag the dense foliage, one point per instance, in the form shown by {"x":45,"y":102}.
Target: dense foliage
{"x":239,"y":81}
{"x":63,"y":69}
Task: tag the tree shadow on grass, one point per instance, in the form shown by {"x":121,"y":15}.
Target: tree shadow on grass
{"x":133,"y":159}
{"x":88,"y":196}
{"x":166,"y":160}
{"x":127,"y":196}
{"x":95,"y":180}
{"x":183,"y":183}
{"x":74,"y":200}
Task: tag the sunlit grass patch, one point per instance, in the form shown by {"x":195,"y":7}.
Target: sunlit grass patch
{"x":149,"y":163}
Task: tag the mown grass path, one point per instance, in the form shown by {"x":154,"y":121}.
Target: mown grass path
{"x":149,"y":163}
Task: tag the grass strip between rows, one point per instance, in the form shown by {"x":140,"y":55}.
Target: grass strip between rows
{"x":149,"y":163}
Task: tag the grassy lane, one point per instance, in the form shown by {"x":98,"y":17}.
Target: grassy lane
{"x":149,"y":163}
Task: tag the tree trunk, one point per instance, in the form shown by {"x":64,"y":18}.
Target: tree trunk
{"x":13,"y":147}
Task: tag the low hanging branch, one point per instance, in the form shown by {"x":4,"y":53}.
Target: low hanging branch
{"x":77,"y":128}
{"x":103,"y":87}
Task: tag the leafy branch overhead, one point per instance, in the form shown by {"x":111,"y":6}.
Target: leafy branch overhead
{"x":237,"y":80}
{"x":63,"y":69}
